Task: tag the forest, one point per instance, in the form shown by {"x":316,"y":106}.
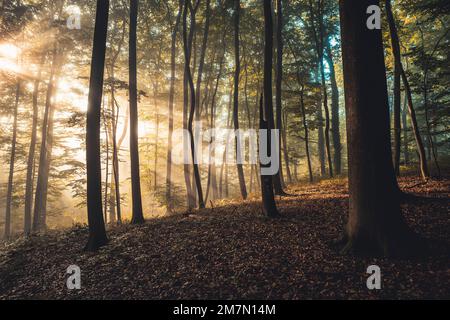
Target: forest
{"x":225,"y":149}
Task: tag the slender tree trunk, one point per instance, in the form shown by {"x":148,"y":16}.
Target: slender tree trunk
{"x":171,"y":104}
{"x":278,"y":179}
{"x":115,"y":111}
{"x":155,"y":166}
{"x":202,"y":60}
{"x":31,"y":153}
{"x":105,"y":124}
{"x":305,"y":128}
{"x":283,"y":134}
{"x":266,"y":111}
{"x":321,"y":139}
{"x":375,"y":224}
{"x":397,"y":93}
{"x":192,"y":102}
{"x":224,"y":167}
{"x":212,"y":179}
{"x":137,"y":214}
{"x":41,"y":178}
{"x":425,"y":101}
{"x":405,"y":132}
{"x":335,"y":122}
{"x":237,"y":72}
{"x":49,"y":151}
{"x":97,"y":232}
{"x":9,"y":192}
{"x":396,"y":50}
{"x":116,"y":149}
{"x":319,"y":41}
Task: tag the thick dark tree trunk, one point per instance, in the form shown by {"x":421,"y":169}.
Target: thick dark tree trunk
{"x":397,"y":54}
{"x":137,"y":213}
{"x":375,"y":224}
{"x":171,"y":102}
{"x":237,"y":72}
{"x":12,"y":160}
{"x":266,"y":111}
{"x":97,"y":232}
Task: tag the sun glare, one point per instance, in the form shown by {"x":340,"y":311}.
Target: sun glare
{"x":9,"y":51}
{"x":8,"y":65}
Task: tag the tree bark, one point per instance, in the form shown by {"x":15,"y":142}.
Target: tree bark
{"x":237,"y":72}
{"x":97,"y":232}
{"x":266,"y":111}
{"x":319,"y":40}
{"x":171,"y":103}
{"x":12,"y":160}
{"x":335,"y":122}
{"x":278,"y":179}
{"x":305,"y":128}
{"x":41,"y":178}
{"x":137,"y":213}
{"x":31,"y":153}
{"x":375,"y":224}
{"x":187,"y":56}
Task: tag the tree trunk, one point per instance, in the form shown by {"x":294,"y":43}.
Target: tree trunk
{"x":375,"y":224}
{"x":9,"y":192}
{"x":212,"y":176}
{"x":335,"y":123}
{"x":171,"y":103}
{"x":155,"y":166}
{"x":224,"y":166}
{"x":237,"y":72}
{"x":319,"y":40}
{"x":405,"y":132}
{"x":278,"y":179}
{"x":283,"y":134}
{"x":105,"y":125}
{"x":137,"y":214}
{"x":41,"y":178}
{"x":266,"y":111}
{"x":187,"y":55}
{"x":202,"y":60}
{"x":425,"y":101}
{"x":396,"y":50}
{"x":31,"y":153}
{"x":305,"y":128}
{"x":397,"y":93}
{"x":97,"y":232}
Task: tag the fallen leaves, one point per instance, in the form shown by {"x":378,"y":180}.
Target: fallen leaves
{"x":233,"y":252}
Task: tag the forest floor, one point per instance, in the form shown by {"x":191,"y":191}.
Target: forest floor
{"x":233,"y":252}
